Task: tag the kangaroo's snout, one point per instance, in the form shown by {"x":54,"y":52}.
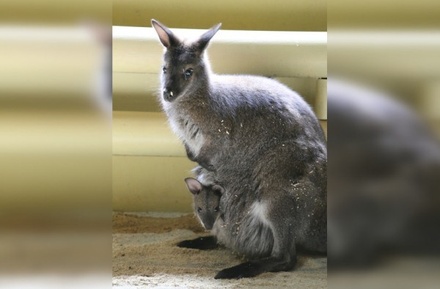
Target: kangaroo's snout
{"x":208,"y":226}
{"x":208,"y":221}
{"x":168,"y":94}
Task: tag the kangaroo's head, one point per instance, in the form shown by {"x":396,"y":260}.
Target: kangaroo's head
{"x":206,"y":201}
{"x":184,"y":68}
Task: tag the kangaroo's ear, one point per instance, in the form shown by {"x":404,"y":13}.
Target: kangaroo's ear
{"x":194,"y":186}
{"x":167,"y":37}
{"x":203,"y":41}
{"x":218,"y":190}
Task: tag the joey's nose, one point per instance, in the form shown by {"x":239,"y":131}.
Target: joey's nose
{"x":168,"y":94}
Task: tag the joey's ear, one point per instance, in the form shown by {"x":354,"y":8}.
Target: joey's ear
{"x":194,"y":186}
{"x":166,"y":37}
{"x":218,"y":190}
{"x":203,"y":41}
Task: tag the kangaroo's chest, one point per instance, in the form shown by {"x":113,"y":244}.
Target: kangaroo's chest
{"x":188,"y":131}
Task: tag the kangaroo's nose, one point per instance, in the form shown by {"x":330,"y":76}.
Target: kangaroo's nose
{"x":168,"y":94}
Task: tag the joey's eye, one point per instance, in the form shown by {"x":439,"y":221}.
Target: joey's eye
{"x":216,"y":209}
{"x":164,"y":69}
{"x":199,"y":209}
{"x":188,"y":73}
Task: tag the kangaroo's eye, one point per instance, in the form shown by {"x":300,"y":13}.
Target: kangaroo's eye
{"x":216,"y":209}
{"x":164,"y":69}
{"x":199,"y":209}
{"x":188,"y":73}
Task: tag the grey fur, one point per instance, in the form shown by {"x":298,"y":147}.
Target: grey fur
{"x":262,"y":143}
{"x":206,"y":201}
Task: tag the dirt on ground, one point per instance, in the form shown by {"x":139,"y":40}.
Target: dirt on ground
{"x":145,"y":255}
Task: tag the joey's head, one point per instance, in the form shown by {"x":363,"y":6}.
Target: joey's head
{"x":206,"y":201}
{"x":184,"y":69}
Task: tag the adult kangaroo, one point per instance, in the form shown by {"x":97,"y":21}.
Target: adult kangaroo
{"x":261,"y":143}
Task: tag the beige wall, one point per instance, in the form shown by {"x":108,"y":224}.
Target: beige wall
{"x":283,"y":15}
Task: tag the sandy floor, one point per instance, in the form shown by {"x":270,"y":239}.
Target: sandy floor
{"x":145,"y":256}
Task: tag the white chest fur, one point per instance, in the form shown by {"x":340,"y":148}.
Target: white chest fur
{"x":189,"y":132}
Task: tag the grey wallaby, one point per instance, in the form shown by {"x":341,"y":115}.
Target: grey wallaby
{"x":206,"y":200}
{"x":261,"y":143}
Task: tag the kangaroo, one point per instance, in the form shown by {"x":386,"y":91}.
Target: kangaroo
{"x":261,"y":143}
{"x":206,"y":201}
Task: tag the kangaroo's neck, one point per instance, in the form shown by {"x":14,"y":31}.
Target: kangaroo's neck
{"x":200,"y":91}
{"x":195,"y":97}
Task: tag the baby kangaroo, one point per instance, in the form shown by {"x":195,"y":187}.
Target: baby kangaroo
{"x":206,"y":201}
{"x":259,"y":141}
